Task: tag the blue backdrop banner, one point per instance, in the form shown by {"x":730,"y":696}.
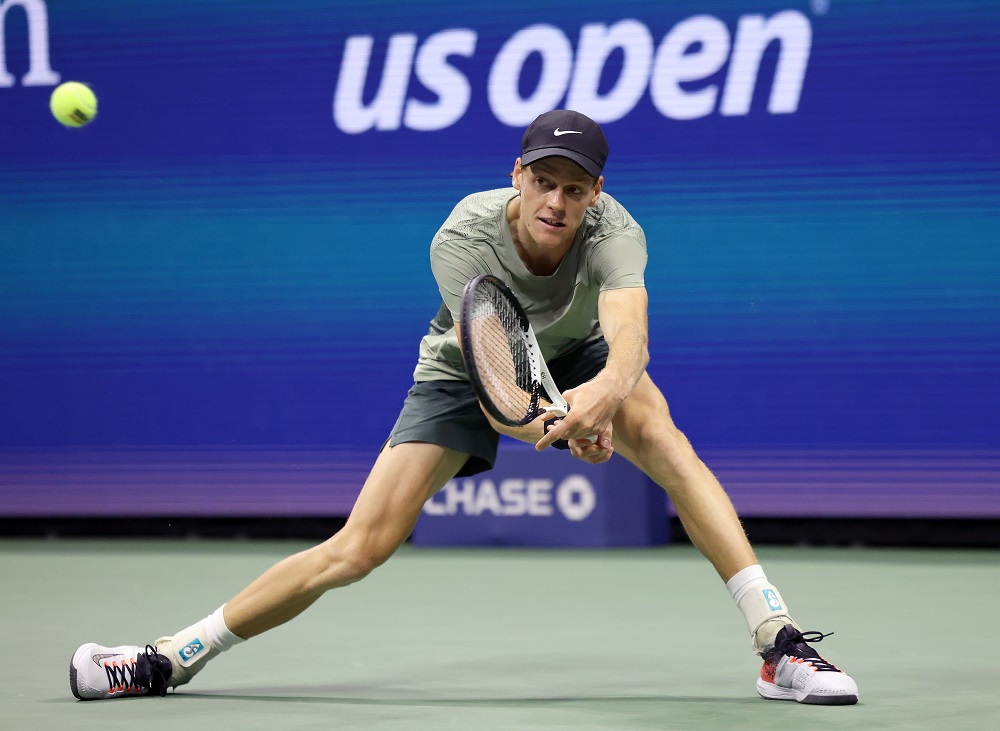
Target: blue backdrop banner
{"x":229,"y":266}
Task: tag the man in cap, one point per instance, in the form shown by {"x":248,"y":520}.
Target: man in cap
{"x":575,"y":258}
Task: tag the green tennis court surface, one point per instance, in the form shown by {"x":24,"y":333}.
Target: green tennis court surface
{"x":474,"y":639}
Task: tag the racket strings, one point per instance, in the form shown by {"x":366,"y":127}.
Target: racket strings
{"x":503,"y":355}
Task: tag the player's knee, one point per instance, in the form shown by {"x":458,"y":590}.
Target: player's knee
{"x":347,"y":559}
{"x":661,"y":439}
{"x":662,"y":444}
{"x":365,"y":555}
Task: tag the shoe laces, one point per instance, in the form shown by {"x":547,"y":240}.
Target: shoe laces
{"x":148,"y":671}
{"x":153,"y":671}
{"x":794,"y":643}
{"x":123,"y":677}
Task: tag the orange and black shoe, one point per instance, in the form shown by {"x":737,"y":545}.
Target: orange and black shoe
{"x":793,"y":671}
{"x":98,"y":672}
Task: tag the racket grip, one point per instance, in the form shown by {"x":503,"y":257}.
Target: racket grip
{"x":562,"y":443}
{"x":558,"y":443}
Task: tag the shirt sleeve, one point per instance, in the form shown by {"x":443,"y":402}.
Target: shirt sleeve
{"x":454,"y":263}
{"x":619,"y":261}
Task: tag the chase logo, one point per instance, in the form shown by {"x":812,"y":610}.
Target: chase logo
{"x":771,"y":597}
{"x":191,"y":649}
{"x":574,"y":497}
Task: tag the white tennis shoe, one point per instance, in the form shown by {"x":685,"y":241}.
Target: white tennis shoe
{"x":793,"y":671}
{"x":97,"y":672}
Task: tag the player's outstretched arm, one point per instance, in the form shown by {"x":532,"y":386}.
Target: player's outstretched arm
{"x":623,"y":317}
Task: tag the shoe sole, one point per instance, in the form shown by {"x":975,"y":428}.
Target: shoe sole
{"x":772,"y":692}
{"x":72,"y":680}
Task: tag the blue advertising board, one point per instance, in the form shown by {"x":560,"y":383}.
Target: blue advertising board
{"x":230,"y":264}
{"x":539,"y":499}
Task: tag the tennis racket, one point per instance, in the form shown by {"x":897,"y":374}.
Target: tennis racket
{"x":502,"y":356}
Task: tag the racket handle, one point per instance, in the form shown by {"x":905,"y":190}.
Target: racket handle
{"x":551,"y":423}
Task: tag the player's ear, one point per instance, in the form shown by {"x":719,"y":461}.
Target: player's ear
{"x":597,"y":191}
{"x":515,"y":177}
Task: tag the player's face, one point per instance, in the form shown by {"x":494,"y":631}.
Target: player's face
{"x":555,"y":196}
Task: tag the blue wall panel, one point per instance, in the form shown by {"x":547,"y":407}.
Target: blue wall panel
{"x":221,"y":262}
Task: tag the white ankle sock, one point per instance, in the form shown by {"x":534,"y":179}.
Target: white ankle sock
{"x":204,"y":640}
{"x":763,"y":608}
{"x":219,"y":634}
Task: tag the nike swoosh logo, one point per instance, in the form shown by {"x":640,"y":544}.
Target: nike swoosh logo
{"x":561,"y":132}
{"x":97,"y":658}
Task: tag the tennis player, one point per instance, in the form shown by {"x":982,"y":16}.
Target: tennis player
{"x":575,"y":258}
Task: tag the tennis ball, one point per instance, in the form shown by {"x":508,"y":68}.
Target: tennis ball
{"x":73,"y":104}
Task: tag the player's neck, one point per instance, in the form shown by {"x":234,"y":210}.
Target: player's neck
{"x":540,"y":261}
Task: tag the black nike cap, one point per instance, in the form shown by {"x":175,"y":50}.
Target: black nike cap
{"x":569,"y":134}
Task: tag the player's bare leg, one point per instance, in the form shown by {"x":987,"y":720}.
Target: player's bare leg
{"x":645,"y":434}
{"x":401,"y":481}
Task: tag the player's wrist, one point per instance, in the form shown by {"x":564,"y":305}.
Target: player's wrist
{"x":614,"y":384}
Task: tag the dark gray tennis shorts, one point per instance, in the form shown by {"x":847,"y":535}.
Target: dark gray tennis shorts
{"x":448,"y":412}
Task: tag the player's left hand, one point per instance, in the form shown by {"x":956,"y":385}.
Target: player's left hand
{"x":593,"y":407}
{"x":593,"y":452}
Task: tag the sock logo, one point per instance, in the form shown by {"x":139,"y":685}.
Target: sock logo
{"x":191,"y":649}
{"x":771,"y":597}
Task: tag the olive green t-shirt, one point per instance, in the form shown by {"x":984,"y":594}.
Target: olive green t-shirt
{"x":609,"y":252}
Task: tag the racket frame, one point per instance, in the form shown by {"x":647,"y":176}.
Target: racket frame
{"x":541,"y":379}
